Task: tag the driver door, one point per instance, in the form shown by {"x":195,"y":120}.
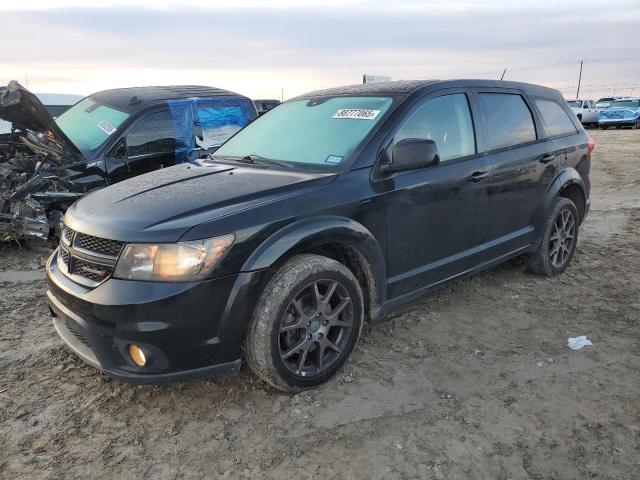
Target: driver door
{"x":150,"y":143}
{"x":437,"y":217}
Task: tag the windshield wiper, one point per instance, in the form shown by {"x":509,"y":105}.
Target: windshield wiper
{"x":253,"y":158}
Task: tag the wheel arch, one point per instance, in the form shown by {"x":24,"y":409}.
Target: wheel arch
{"x":339,"y":238}
{"x":568,"y":183}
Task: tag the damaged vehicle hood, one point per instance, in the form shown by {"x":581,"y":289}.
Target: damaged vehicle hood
{"x":163,"y":205}
{"x":23,"y":109}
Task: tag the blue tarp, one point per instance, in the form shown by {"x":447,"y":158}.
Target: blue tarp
{"x":218,"y":118}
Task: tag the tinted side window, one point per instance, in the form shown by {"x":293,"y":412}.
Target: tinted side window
{"x":445,"y":120}
{"x":554,"y":118}
{"x":509,"y":120}
{"x":152,"y":134}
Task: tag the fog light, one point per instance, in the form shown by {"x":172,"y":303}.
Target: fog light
{"x":137,"y":355}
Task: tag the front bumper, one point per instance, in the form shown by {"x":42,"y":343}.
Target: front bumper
{"x":621,"y":122}
{"x":187,"y":330}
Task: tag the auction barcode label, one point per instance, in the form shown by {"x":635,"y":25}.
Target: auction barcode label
{"x":356,"y":113}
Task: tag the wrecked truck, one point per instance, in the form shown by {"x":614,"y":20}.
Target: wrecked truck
{"x":46,"y":164}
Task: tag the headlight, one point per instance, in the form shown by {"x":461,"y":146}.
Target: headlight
{"x":172,"y":262}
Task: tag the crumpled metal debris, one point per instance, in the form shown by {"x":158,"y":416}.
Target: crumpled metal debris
{"x":33,"y":168}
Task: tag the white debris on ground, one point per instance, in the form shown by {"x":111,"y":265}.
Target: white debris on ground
{"x":576,"y":343}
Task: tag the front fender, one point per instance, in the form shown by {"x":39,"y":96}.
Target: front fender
{"x":319,"y":231}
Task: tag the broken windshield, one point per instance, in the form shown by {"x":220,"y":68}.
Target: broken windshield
{"x":88,"y":124}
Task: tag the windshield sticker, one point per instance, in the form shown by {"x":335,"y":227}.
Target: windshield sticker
{"x":356,"y":113}
{"x":335,"y":159}
{"x":106,"y":127}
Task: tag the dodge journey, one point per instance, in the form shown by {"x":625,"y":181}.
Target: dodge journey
{"x":328,"y":212}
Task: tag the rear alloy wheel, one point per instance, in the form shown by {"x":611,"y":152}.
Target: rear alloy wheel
{"x":559,"y":239}
{"x":306,"y":323}
{"x":562,"y":239}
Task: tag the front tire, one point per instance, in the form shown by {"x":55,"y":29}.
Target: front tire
{"x":306,"y":323}
{"x":559,"y":240}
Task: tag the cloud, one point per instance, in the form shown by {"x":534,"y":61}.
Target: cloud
{"x":315,"y":45}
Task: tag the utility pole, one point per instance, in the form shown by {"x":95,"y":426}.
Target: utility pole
{"x":505,"y":71}
{"x":579,"y":80}
{"x":282,"y":94}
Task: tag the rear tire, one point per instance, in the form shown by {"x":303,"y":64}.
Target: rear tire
{"x":306,"y":323}
{"x":559,"y":239}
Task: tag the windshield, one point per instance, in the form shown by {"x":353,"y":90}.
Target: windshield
{"x":625,"y":104}
{"x":322,"y":132}
{"x":575,"y":103}
{"x":605,"y":100}
{"x":88,"y":123}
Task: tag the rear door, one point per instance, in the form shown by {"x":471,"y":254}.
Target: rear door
{"x":524,"y":162}
{"x":437,"y":216}
{"x":559,"y":127}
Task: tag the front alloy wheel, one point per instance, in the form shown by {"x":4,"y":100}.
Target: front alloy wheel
{"x":306,"y":323}
{"x":315,"y":328}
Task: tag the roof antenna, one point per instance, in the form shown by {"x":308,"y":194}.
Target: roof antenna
{"x":505,"y":71}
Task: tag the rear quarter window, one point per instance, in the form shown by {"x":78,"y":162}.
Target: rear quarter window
{"x":555,"y":119}
{"x":508,"y":120}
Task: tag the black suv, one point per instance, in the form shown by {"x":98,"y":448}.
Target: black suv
{"x":46,"y":164}
{"x":331,"y":210}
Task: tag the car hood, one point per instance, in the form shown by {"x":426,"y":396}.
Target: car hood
{"x":162,"y":206}
{"x":23,"y":109}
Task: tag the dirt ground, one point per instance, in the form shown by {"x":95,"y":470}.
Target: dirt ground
{"x":475,"y":381}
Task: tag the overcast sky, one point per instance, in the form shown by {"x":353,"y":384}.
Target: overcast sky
{"x":258,"y":48}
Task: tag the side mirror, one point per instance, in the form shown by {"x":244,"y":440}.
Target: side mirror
{"x":411,"y":154}
{"x":197,"y":132}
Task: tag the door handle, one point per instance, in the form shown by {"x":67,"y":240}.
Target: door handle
{"x":477,"y":176}
{"x":547,"y":157}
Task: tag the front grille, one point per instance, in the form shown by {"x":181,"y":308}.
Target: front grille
{"x":90,"y":270}
{"x":74,"y":328}
{"x":64,"y":254}
{"x":73,"y":303}
{"x":100,"y":246}
{"x":89,"y":260}
{"x":67,"y":235}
